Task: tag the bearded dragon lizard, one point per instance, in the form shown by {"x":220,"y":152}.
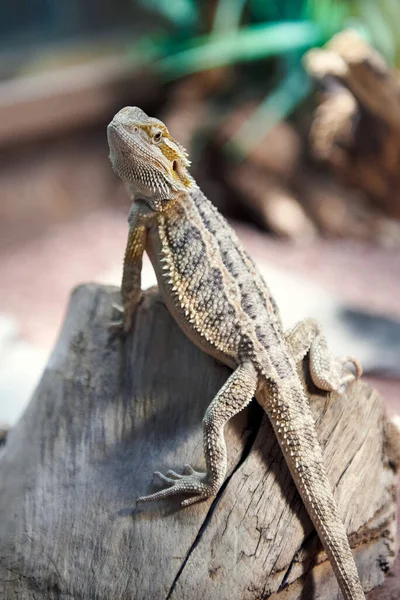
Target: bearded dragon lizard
{"x":215,"y":293}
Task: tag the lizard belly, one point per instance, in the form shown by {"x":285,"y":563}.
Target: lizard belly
{"x":209,"y":322}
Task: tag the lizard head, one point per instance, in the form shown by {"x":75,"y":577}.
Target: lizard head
{"x":147,"y":158}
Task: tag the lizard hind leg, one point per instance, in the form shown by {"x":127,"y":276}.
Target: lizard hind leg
{"x":327,"y":372}
{"x":235,"y":395}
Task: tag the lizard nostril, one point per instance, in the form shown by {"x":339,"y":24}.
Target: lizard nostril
{"x":174,"y":165}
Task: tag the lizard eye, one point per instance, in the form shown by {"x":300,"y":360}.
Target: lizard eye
{"x":157,"y":136}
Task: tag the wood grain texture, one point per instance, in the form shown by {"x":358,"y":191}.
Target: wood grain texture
{"x":108,"y":412}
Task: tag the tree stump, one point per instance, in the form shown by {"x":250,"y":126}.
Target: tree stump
{"x":111,"y":410}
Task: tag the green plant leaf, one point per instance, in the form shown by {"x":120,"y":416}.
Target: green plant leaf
{"x":246,"y":44}
{"x":378,"y":27}
{"x":227,"y":15}
{"x":276,"y":106}
{"x":183,"y":13}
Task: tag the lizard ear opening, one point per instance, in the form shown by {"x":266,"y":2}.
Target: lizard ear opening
{"x":179,"y":171}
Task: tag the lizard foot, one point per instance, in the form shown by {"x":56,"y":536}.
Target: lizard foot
{"x":121,"y":325}
{"x":334,"y":374}
{"x":192,"y":482}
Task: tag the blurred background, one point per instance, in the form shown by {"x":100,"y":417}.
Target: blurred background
{"x":290,"y":110}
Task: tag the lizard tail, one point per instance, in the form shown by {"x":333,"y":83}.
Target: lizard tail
{"x":290,"y":414}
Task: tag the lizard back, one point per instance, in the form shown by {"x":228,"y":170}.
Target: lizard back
{"x":213,"y":288}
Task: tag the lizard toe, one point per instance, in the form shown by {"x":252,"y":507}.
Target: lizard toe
{"x":194,"y":499}
{"x":188,"y":470}
{"x":353,"y":361}
{"x":173,"y":474}
{"x":181,"y":484}
{"x":123,"y":323}
{"x":116,"y":326}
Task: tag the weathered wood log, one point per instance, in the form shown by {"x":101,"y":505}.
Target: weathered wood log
{"x":109,"y":411}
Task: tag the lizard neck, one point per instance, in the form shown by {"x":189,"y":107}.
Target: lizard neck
{"x":166,"y":205}
{"x":170,"y":208}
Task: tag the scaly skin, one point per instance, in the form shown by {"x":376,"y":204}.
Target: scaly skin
{"x":215,"y":293}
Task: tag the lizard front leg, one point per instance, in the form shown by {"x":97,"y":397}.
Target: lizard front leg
{"x":231,"y":399}
{"x":328,"y":373}
{"x":133,"y":260}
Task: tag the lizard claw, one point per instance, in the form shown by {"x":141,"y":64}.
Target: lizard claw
{"x":347,"y":375}
{"x":192,"y":483}
{"x":188,"y":470}
{"x":117,"y":326}
{"x":170,"y":477}
{"x":121,"y":325}
{"x":357,"y":367}
{"x":118,"y":308}
{"x":170,"y":474}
